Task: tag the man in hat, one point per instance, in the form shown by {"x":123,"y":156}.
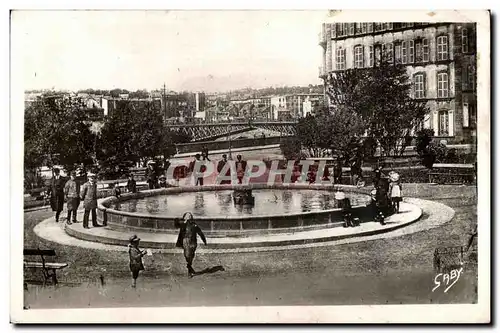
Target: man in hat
{"x":88,"y":194}
{"x":56,"y":193}
{"x":241,"y":166}
{"x":131,"y":184}
{"x":220,"y":166}
{"x":72,"y":193}
{"x":187,"y":240}
{"x":151,"y":175}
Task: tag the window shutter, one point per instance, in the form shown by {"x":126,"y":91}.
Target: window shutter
{"x":345,"y":58}
{"x":472,"y":39}
{"x":363,"y":55}
{"x":424,"y":78}
{"x":451,"y":123}
{"x":435,"y":123}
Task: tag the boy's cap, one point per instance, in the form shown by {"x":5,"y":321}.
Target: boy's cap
{"x":134,"y":238}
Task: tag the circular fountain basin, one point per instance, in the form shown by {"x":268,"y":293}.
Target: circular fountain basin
{"x":278,"y":208}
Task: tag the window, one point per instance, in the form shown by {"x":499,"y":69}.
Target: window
{"x":364,"y":28}
{"x":419,"y":85}
{"x":467,"y":77}
{"x":340,"y":29}
{"x":378,"y":54}
{"x":443,"y":119}
{"x":340,"y":59}
{"x":346,"y":29}
{"x":404,"y":52}
{"x":418,"y":51}
{"x":379,"y":26}
{"x":351,"y":29}
{"x":471,"y":77}
{"x":370,"y":56}
{"x":388,"y":52}
{"x":425,"y":50}
{"x":409,"y":24}
{"x":411,"y":51}
{"x":358,"y":28}
{"x":388,"y":26}
{"x":397,"y":53}
{"x":404,"y":25}
{"x":465,"y":41}
{"x":358,"y":57}
{"x":370,"y":27}
{"x":442,"y":48}
{"x":442,"y":80}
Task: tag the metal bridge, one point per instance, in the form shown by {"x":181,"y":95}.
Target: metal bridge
{"x":212,"y":131}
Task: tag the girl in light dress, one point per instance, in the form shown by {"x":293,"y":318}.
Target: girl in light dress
{"x":395,"y":191}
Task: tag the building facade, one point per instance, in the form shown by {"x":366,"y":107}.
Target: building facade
{"x":288,"y":107}
{"x":440,"y":60}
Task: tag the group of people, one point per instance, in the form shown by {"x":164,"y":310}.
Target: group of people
{"x":386,"y":194}
{"x":187,"y":239}
{"x":70,"y":190}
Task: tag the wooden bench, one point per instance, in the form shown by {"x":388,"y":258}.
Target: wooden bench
{"x":48,"y":268}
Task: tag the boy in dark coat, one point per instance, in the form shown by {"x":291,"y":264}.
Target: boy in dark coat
{"x":135,"y":255}
{"x":187,"y":240}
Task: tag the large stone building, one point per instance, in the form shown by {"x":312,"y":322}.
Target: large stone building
{"x":440,"y":59}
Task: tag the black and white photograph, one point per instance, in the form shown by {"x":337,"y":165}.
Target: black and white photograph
{"x":250,"y":166}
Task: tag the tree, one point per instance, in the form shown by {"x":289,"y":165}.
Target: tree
{"x":57,"y":132}
{"x":290,"y":148}
{"x":136,"y":133}
{"x":381,"y":96}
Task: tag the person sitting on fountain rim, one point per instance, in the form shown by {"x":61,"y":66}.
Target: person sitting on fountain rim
{"x":187,"y":240}
{"x":345,"y":205}
{"x":163,"y":181}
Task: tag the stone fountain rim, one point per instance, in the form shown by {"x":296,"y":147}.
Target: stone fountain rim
{"x":102,"y":203}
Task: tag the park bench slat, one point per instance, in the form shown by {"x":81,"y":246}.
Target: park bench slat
{"x":37,"y":252}
{"x":49,"y":265}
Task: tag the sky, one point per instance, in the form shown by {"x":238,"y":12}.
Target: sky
{"x":210,"y":51}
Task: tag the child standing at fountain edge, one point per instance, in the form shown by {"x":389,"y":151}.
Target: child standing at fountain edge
{"x":187,"y":240}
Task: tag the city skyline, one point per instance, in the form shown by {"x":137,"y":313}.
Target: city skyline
{"x":212,"y":51}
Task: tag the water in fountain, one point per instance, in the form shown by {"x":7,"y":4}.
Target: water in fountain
{"x":220,"y":203}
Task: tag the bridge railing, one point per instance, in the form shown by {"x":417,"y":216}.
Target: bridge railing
{"x":219,"y":145}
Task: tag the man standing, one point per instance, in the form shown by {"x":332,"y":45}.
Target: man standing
{"x":220,"y":166}
{"x":56,"y":193}
{"x":89,"y":196}
{"x":241,"y":167}
{"x":188,"y":240}
{"x":198,"y":174}
{"x":72,"y":193}
{"x":131,"y":184}
{"x":151,"y":175}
